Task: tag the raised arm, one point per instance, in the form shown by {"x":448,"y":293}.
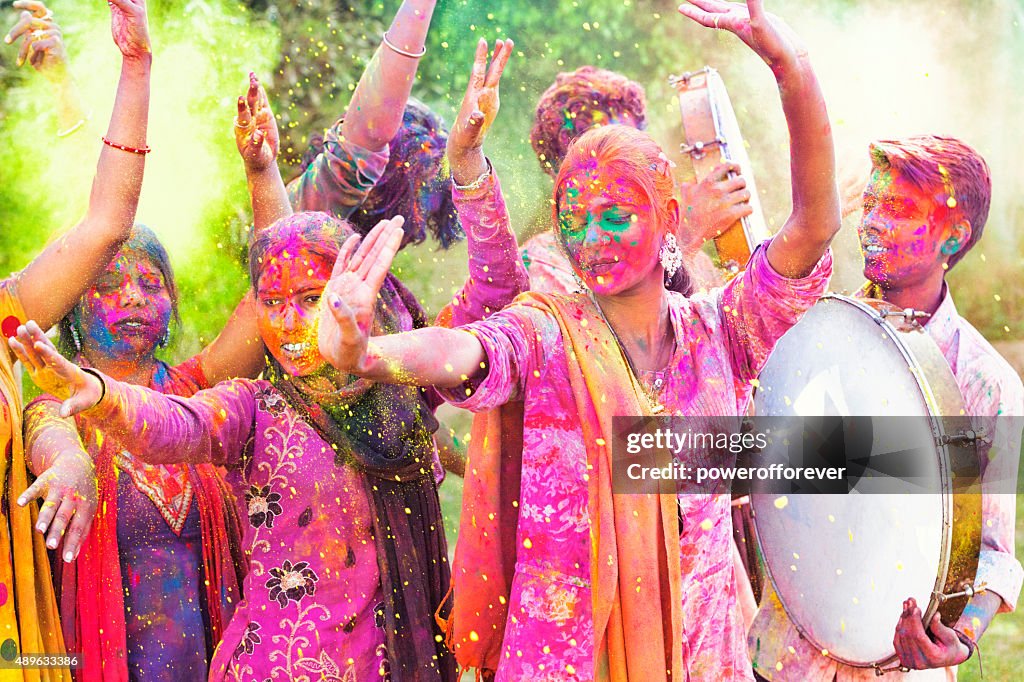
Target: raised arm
{"x":80,"y":255}
{"x":425,"y":357}
{"x":214,"y":425}
{"x":378,"y":103}
{"x":238,"y":349}
{"x":816,"y":212}
{"x":42,"y":46}
{"x":496,"y":271}
{"x":258,"y":142}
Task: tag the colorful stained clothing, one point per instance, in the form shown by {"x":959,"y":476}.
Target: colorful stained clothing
{"x":990,"y":387}
{"x":339,"y":178}
{"x":28,"y":607}
{"x":723,"y":340}
{"x":158,"y":577}
{"x":313,"y":606}
{"x":496,"y":273}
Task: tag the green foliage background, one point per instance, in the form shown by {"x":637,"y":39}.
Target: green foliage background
{"x":888,"y":69}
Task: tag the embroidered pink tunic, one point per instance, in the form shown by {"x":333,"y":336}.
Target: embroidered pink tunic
{"x":312,"y":592}
{"x":723,"y":340}
{"x":990,"y":387}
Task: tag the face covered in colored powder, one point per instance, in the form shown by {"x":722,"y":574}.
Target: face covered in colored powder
{"x":609,"y":229}
{"x":906,"y":233}
{"x":288,"y":303}
{"x":126,"y":313}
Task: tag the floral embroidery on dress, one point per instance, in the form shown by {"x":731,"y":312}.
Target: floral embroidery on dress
{"x":249,"y":640}
{"x":328,"y":669}
{"x":292,"y":583}
{"x":263,"y":506}
{"x":271,"y":401}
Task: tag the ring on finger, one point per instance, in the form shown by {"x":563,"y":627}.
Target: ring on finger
{"x":717,"y":17}
{"x":239,"y":125}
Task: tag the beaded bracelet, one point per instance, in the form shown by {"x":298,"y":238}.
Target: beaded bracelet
{"x":125,"y":148}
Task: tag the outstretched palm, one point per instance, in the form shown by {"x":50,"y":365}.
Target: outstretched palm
{"x":350,"y":297}
{"x":54,"y":373}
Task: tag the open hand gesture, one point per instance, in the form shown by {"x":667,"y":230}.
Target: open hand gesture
{"x":130,"y":28}
{"x":256,"y":133}
{"x":350,"y":297}
{"x":478,"y":111}
{"x":42,"y":43}
{"x":764,"y":33}
{"x":54,"y":373}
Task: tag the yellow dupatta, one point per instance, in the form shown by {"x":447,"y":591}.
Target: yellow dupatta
{"x":635,"y":570}
{"x":28,"y":612}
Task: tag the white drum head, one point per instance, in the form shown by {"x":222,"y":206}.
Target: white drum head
{"x":843,"y":564}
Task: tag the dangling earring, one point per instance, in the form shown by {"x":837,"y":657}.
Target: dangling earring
{"x":74,"y":337}
{"x":165,"y":339}
{"x":671,"y":256}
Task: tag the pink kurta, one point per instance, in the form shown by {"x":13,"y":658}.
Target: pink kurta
{"x":990,"y":387}
{"x":313,"y":588}
{"x":723,"y":340}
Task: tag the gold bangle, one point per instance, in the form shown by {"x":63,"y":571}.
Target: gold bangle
{"x":398,"y":50}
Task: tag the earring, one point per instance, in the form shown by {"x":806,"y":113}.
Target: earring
{"x":165,"y":339}
{"x":74,"y":337}
{"x":670,"y":255}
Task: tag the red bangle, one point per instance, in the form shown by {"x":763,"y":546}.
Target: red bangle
{"x":133,"y":150}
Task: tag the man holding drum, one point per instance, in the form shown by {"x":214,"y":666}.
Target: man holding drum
{"x":925,"y":207}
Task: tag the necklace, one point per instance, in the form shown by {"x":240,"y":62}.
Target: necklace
{"x":652,"y":399}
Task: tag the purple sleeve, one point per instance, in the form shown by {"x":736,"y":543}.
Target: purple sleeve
{"x":760,"y":305}
{"x":513,"y":341}
{"x":496,"y":272}
{"x":339,"y":178}
{"x":214,"y":425}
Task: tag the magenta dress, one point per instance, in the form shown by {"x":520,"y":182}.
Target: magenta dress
{"x":723,"y":340}
{"x":312,"y":605}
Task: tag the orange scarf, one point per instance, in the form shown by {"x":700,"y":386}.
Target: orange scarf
{"x":634,"y":557}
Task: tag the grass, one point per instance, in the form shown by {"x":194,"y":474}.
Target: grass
{"x":1001,"y":647}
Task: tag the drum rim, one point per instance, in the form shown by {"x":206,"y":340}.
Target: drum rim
{"x":948,"y":502}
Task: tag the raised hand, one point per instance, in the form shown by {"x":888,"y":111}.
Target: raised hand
{"x":479,"y":108}
{"x":256,"y":133}
{"x":764,"y":33}
{"x":53,"y":373}
{"x":42,"y":43}
{"x":350,"y":297}
{"x":130,"y":28}
{"x":713,"y":205}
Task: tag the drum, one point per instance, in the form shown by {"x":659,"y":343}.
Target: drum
{"x":842,"y":565}
{"x":712,"y":137}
